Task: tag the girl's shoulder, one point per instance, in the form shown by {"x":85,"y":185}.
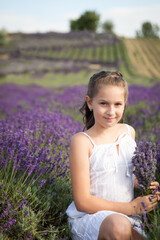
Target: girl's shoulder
{"x":126,"y":127}
{"x":80,"y":138}
{"x":80,"y":143}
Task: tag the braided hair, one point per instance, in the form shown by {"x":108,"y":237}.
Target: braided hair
{"x":95,"y":82}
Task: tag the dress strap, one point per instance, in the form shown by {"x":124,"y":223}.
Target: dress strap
{"x":129,"y":130}
{"x":89,"y":138}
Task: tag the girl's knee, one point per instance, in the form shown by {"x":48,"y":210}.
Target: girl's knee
{"x":123,"y":228}
{"x":115,"y":227}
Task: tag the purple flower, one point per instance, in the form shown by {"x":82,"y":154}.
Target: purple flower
{"x":144,"y":162}
{"x":11,"y":222}
{"x":43,"y":181}
{"x":23,"y":203}
{"x":5,"y":194}
{"x":25,"y":213}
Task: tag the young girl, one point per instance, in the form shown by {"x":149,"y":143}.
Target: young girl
{"x":101,"y":167}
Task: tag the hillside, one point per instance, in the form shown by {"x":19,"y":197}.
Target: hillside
{"x":145,"y":56}
{"x":49,"y":56}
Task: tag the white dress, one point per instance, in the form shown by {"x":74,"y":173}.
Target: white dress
{"x":111,"y":178}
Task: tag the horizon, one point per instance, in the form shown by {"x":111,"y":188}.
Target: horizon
{"x":54,"y":16}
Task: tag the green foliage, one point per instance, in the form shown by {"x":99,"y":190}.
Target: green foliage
{"x":108,"y":27}
{"x":74,"y":25}
{"x":148,"y":30}
{"x":3,"y":38}
{"x":89,"y":20}
{"x":152,"y":224}
{"x":30,"y":212}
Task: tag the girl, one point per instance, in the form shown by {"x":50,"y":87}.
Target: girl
{"x":101,"y":167}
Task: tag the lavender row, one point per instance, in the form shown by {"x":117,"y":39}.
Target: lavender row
{"x":136,"y":94}
{"x":58,"y":40}
{"x":39,"y":66}
{"x":142,"y":111}
{"x":34,"y":140}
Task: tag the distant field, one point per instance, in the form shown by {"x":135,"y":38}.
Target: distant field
{"x":145,"y":56}
{"x":55,"y":59}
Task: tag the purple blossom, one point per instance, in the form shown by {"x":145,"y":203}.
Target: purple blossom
{"x":10,"y":223}
{"x":43,"y":181}
{"x":23,"y":203}
{"x":144,"y":162}
{"x":26,"y":214}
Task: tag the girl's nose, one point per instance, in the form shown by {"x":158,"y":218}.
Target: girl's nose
{"x":110,"y":110}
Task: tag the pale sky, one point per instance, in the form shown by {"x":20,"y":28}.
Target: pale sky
{"x":54,"y":15}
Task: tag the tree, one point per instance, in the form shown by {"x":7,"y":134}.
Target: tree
{"x":148,"y":30}
{"x":87,"y":21}
{"x":73,"y":25}
{"x":108,"y":27}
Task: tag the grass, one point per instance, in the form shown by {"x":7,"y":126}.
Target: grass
{"x":49,"y":79}
{"x":72,"y":79}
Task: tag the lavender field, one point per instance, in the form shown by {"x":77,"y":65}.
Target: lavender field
{"x":42,"y":85}
{"x":36,"y":125}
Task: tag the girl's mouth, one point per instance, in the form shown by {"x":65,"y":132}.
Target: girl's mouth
{"x":109,"y":119}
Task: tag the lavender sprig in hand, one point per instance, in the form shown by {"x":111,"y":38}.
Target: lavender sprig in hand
{"x":144,"y":162}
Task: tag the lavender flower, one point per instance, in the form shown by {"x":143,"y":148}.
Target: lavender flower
{"x":144,"y":161}
{"x":43,"y":181}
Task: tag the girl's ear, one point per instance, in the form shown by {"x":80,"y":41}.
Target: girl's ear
{"x":89,"y":102}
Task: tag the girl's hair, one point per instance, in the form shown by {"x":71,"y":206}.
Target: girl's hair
{"x":95,"y":82}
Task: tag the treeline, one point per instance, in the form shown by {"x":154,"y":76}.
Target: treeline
{"x":90,"y":20}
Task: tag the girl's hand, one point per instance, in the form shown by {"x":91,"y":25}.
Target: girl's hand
{"x":144,"y":203}
{"x":156,"y":189}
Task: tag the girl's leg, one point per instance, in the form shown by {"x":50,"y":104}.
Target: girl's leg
{"x":137,"y":236}
{"x":115,"y":226}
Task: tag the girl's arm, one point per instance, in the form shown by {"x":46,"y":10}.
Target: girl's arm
{"x":79,"y":164}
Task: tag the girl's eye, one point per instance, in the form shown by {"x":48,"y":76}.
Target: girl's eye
{"x":103,"y":103}
{"x":118,"y":104}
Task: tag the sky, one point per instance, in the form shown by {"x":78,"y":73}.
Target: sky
{"x":32,"y":16}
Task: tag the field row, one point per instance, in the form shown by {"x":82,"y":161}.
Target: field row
{"x":107,"y":54}
{"x":137,"y":59}
{"x":59,"y":40}
{"x":100,"y":53}
{"x":145,"y":56}
{"x":132,"y":56}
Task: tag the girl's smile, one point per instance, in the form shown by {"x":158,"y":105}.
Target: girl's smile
{"x":109,"y":119}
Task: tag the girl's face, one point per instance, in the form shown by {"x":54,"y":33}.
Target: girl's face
{"x":108,"y":105}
